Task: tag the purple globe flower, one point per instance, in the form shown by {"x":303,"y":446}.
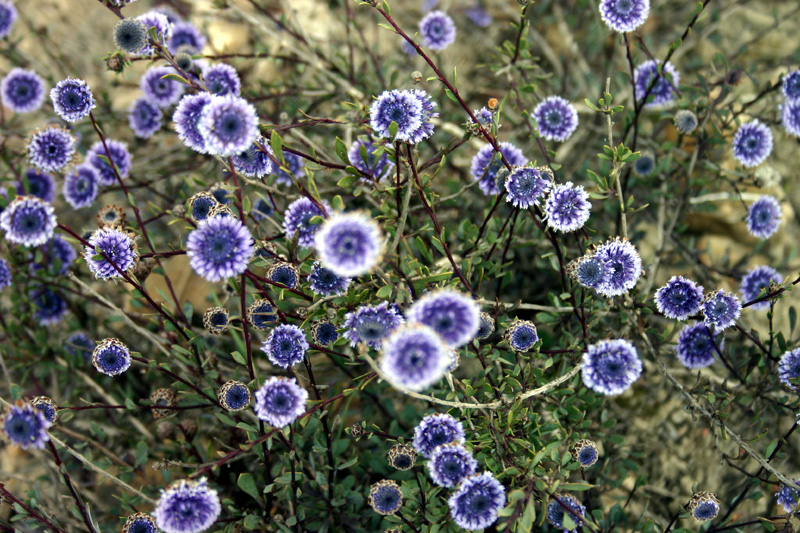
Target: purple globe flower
{"x":50,"y":307}
{"x":297,"y":220}
{"x":261,"y":209}
{"x":556,"y":117}
{"x":79,"y":345}
{"x":81,"y":186}
{"x":294,"y":164}
{"x":438,"y":31}
{"x":111,"y":357}
{"x":585,"y":452}
{"x":434,"y":431}
{"x":51,"y":149}
{"x":410,"y":110}
{"x":756,"y":280}
{"x":234,"y":396}
{"x":349,"y":244}
{"x":22,"y":91}
{"x":140,"y":523}
{"x":324,"y":282}
{"x":261,"y":313}
{"x":161,"y":91}
{"x":187,"y":506}
{"x":526,"y":186}
{"x":254,"y":162}
{"x":371,"y":324}
{"x":663,"y":90}
{"x":38,"y":184}
{"x":284,"y":273}
{"x":454,"y":316}
{"x":159,"y":21}
{"x":229,"y":125}
{"x":385,"y":497}
{"x":186,"y":38}
{"x":362,"y":156}
{"x":72,"y":99}
{"x":449,"y":464}
{"x":144,"y":118}
{"x":704,"y":506}
{"x":521,"y":335}
{"x":752,"y":143}
{"x":477,"y":501}
{"x":116,"y":250}
{"x":414,"y":357}
{"x":59,"y":250}
{"x":29,"y":221}
{"x":695,"y":347}
{"x":557,"y":510}
{"x":23,"y":425}
{"x":280,"y":401}
{"x":486,"y":164}
{"x":680,"y":298}
{"x":222,"y":79}
{"x":624,"y":15}
{"x":791,"y":85}
{"x":611,"y":366}
{"x":324,"y":333}
{"x":567,"y":208}
{"x":590,"y":272}
{"x":764,"y":217}
{"x":622,"y":261}
{"x":186,"y":118}
{"x":130,"y":35}
{"x":790,"y":117}
{"x":789,"y":368}
{"x":487,"y":327}
{"x":787,"y":497}
{"x":5,"y":274}
{"x":721,"y":310}
{"x":120,"y":156}
{"x":219,"y":248}
{"x":286,"y":345}
{"x":8,"y":16}
{"x":484,"y":116}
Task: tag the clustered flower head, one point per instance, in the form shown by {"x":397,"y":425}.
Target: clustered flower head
{"x":110,"y":252}
{"x":25,"y":426}
{"x":624,"y":265}
{"x":130,"y":35}
{"x":414,"y":357}
{"x":261,"y":313}
{"x":556,"y":117}
{"x":585,"y":452}
{"x":280,"y":401}
{"x":160,"y":90}
{"x":72,"y":99}
{"x":284,"y":273}
{"x":140,"y":523}
{"x":402,"y":457}
{"x":477,"y":501}
{"x":521,"y":335}
{"x":229,"y":125}
{"x":790,"y":117}
{"x":789,"y":368}
{"x":589,"y":271}
{"x":220,"y":247}
{"x":563,"y":510}
{"x":486,"y":326}
{"x":454,"y":316}
{"x":286,"y":345}
{"x":349,"y":244}
{"x":59,"y":250}
{"x":385,"y":497}
{"x":254,"y":162}
{"x":50,"y":306}
{"x":29,"y":221}
{"x":704,"y":506}
{"x":438,"y":30}
{"x":791,"y":85}
{"x":187,"y":506}
{"x":764,"y":217}
{"x":119,"y":156}
{"x":526,"y":186}
{"x":696,"y":347}
{"x":8,"y":16}
{"x":22,"y":91}
{"x":787,"y":497}
{"x":721,"y":310}
{"x":680,"y":298}
{"x":624,"y":15}
{"x":234,"y":396}
{"x":145,"y":118}
{"x":185,"y":38}
{"x":756,"y":280}
{"x":752,"y":143}
{"x":297,"y":220}
{"x":39,"y":184}
{"x":222,"y":79}
{"x":324,"y":282}
{"x":654,"y":89}
{"x":187,"y":118}
{"x":610,"y":367}
{"x":163,"y":27}
{"x":436,"y":430}
{"x":567,"y":207}
{"x":324,"y":332}
{"x":215,"y":320}
{"x":685,"y":121}
{"x":362,"y":155}
{"x":487,"y":163}
{"x":451,"y":463}
{"x":111,"y":357}
{"x":51,"y":148}
{"x":371,"y":324}
{"x":412,"y":111}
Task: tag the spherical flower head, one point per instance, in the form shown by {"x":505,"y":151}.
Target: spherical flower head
{"x":144,"y":118}
{"x":557,"y":118}
{"x":611,"y":366}
{"x":261,"y":313}
{"x":50,"y":307}
{"x":764,"y":217}
{"x":222,"y":79}
{"x":28,"y":220}
{"x":234,"y":396}
{"x":116,"y":250}
{"x":663,"y":90}
{"x":8,"y":16}
{"x":371,"y":324}
{"x":159,"y":21}
{"x":140,"y":523}
{"x":685,"y":121}
{"x":454,"y":316}
{"x":385,"y":497}
{"x":557,"y":511}
{"x":187,"y":117}
{"x":215,"y":320}
{"x":756,"y":280}
{"x":280,"y":401}
{"x":324,"y":282}
{"x":704,"y":506}
{"x":51,"y":148}
{"x":219,"y":248}
{"x":438,"y":30}
{"x":449,"y":464}
{"x":526,"y":186}
{"x":408,"y":110}
{"x":324,"y":333}
{"x":791,"y":85}
{"x":187,"y":506}
{"x":284,"y":273}
{"x":201,"y":204}
{"x":477,"y":501}
{"x":362,"y":156}
{"x":254,"y":162}
{"x":486,"y":164}
{"x":38,"y":184}
{"x":645,"y":165}
{"x":567,"y":208}
{"x":25,"y":426}
{"x":752,"y":143}
{"x":414,"y":357}
{"x":79,"y":345}
{"x":787,"y":497}
{"x":585,"y":452}
{"x":521,"y":335}
{"x":589,"y":271}
{"x":695,"y":347}
{"x":790,"y":117}
{"x":789,"y":368}
{"x":22,"y":91}
{"x":72,"y":99}
{"x":680,"y":298}
{"x":402,"y":457}
{"x":484,"y":116}
{"x":130,"y":35}
{"x":622,"y":261}
{"x":5,"y":274}
{"x":111,"y":357}
{"x":186,"y":38}
{"x":111,"y":216}
{"x":486,"y":326}
{"x":161,"y":91}
{"x":624,"y":15}
{"x":297,"y":220}
{"x":286,"y":345}
{"x":721,"y":310}
{"x":434,"y":431}
{"x":120,"y":156}
{"x":47,"y":407}
{"x":229,"y":125}
{"x":349,"y":244}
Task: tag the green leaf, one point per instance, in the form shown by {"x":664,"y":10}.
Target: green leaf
{"x":175,"y":77}
{"x":277,"y":145}
{"x":248,"y":484}
{"x":341,"y":151}
{"x":393,"y":127}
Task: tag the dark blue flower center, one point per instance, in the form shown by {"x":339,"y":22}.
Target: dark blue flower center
{"x":141,"y":526}
{"x":371,"y":329}
{"x":219,"y":319}
{"x":20,"y":428}
{"x":480,"y":503}
{"x":625,"y":7}
{"x":219,"y":247}
{"x":553,"y":118}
